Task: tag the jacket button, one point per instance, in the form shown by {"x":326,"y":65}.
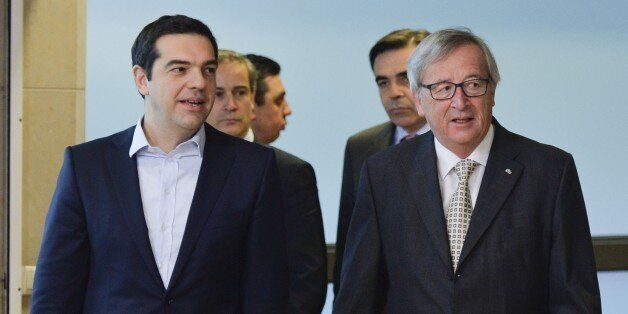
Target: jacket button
{"x":170,"y":301}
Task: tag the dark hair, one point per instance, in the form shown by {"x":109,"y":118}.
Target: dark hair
{"x":398,"y":39}
{"x":144,"y":52}
{"x":265,"y":67}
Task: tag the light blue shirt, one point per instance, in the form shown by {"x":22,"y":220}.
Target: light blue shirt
{"x":400,"y":132}
{"x":167,"y":184}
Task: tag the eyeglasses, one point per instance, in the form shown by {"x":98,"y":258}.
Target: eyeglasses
{"x":446,"y":90}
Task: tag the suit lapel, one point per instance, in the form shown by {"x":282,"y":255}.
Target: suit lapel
{"x":217,"y":160}
{"x":123,"y":171}
{"x":418,"y":162}
{"x":500,"y":176}
{"x":381,"y":140}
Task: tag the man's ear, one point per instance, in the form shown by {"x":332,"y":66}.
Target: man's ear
{"x":253,"y":105}
{"x":416,"y":98}
{"x":141,"y":80}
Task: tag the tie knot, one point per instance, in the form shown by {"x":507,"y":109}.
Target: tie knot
{"x":407,"y":137}
{"x":464,"y":168}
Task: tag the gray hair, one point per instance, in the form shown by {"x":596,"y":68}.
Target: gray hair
{"x":225,"y":55}
{"x":439,"y":45}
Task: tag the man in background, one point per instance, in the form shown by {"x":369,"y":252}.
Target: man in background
{"x":233,"y":114}
{"x":388,"y":58}
{"x":271,"y":106}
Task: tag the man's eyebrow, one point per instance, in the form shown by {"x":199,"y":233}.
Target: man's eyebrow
{"x":404,"y":74}
{"x":280,"y":96}
{"x":380,"y":77}
{"x":177,"y":62}
{"x":183,"y":62}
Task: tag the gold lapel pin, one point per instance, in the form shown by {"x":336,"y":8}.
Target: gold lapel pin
{"x":508,"y":171}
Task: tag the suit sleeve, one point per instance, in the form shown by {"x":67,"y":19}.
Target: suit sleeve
{"x":573,"y":278}
{"x":363,"y":274}
{"x":265,"y":277}
{"x":63,"y":264}
{"x":347,"y":201}
{"x":305,"y":240}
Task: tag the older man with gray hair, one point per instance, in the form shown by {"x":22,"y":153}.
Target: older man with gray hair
{"x":469,"y":217}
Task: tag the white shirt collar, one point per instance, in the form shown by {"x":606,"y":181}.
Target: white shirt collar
{"x":139,"y":139}
{"x":446,"y":159}
{"x":249,"y":135}
{"x":400,"y":132}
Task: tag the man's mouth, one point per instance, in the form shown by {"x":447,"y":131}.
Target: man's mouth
{"x":461,"y":120}
{"x":400,"y":109}
{"x":194,"y":102}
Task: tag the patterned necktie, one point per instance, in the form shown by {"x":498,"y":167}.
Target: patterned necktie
{"x":460,"y":209}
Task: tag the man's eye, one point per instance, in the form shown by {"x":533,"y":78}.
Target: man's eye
{"x":472,"y":84}
{"x":210,"y":70}
{"x":241,"y":93}
{"x":404,"y":80}
{"x":441,"y":88}
{"x":382,"y":84}
{"x":178,"y":70}
{"x":219,"y":94}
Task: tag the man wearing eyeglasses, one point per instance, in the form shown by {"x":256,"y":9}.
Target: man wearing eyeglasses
{"x":467,"y":218}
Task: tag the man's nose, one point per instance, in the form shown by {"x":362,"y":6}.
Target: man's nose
{"x":287,"y":110}
{"x":460,"y":99}
{"x":231,"y":103}
{"x":396,"y":90}
{"x":197,"y":80}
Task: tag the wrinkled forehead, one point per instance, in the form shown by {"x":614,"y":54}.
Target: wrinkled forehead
{"x":466,"y":59}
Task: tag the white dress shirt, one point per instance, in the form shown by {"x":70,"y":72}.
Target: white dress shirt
{"x":249,"y":135}
{"x":167,"y":184}
{"x":447,"y":178}
{"x":400,"y":132}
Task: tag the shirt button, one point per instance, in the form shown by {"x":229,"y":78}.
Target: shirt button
{"x":163,"y":228}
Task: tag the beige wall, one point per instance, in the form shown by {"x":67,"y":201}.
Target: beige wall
{"x":53,"y":106}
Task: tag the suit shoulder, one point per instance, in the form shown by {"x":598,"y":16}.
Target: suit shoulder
{"x":104,"y":143}
{"x":406,"y":148}
{"x":250,"y":149}
{"x":290,"y":165}
{"x":535,"y":150}
{"x":287,"y":158}
{"x":367,"y":135}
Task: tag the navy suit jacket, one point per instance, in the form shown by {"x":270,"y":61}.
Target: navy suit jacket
{"x":96,"y":256}
{"x":305,"y":239}
{"x":528,"y":248}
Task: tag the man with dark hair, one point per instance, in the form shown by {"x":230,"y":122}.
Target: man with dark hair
{"x":467,"y":218}
{"x":305,"y":239}
{"x":271,"y":106}
{"x":388,"y":59}
{"x":170,"y":215}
